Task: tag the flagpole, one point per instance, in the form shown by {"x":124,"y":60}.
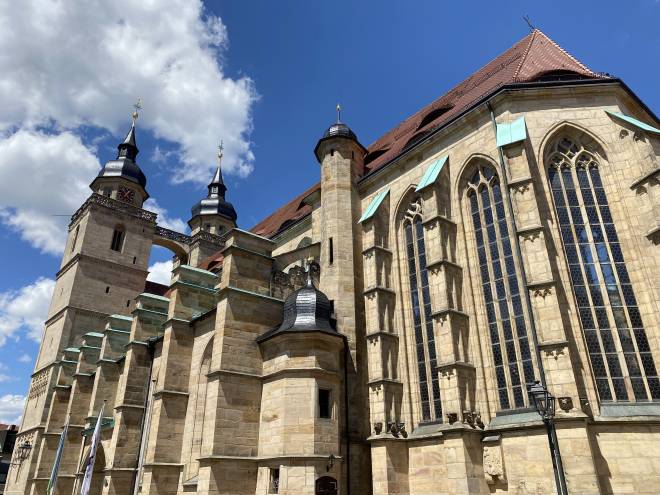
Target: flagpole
{"x":91,"y":458}
{"x":58,"y":457}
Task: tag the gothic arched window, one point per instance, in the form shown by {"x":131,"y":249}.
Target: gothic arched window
{"x":616,"y":341}
{"x":420,"y":298}
{"x":118,"y":238}
{"x":502,"y":289}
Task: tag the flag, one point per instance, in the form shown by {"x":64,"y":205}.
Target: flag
{"x":58,"y":458}
{"x":89,"y":463}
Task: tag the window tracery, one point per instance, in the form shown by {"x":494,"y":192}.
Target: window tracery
{"x":502,"y":286}
{"x":615,"y":337}
{"x":420,"y":298}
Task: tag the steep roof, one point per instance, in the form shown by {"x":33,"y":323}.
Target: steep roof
{"x":529,"y":59}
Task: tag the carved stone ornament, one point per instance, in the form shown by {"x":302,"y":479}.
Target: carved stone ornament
{"x":493,"y":463}
{"x":378,"y":427}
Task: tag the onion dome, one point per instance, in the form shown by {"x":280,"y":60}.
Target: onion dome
{"x":215,"y":202}
{"x":305,"y":310}
{"x":337,"y":130}
{"x":124,"y":165}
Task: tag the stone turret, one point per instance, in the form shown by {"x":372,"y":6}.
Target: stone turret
{"x":303,"y":402}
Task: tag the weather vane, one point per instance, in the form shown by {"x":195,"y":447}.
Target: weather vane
{"x":338,"y":113}
{"x":220,"y":150}
{"x":137,"y":106}
{"x":529,"y":22}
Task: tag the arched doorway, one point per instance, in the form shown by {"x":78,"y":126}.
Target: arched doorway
{"x":326,"y":485}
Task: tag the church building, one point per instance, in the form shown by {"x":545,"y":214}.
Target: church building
{"x":378,"y":333}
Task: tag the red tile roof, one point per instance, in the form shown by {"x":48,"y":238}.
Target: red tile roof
{"x":527,"y":60}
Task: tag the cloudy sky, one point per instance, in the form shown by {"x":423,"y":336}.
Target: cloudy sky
{"x":262,"y":76}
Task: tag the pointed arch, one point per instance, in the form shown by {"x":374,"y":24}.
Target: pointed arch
{"x":416,"y":303}
{"x":199,"y":413}
{"x":492,"y":248}
{"x":578,"y":133}
{"x":615,"y":338}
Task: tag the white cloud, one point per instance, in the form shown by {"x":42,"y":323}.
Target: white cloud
{"x":42,"y":177}
{"x":11,"y":408}
{"x":160,"y":272}
{"x":164,"y":220}
{"x":25,"y":358}
{"x":70,"y":63}
{"x":25,"y":309}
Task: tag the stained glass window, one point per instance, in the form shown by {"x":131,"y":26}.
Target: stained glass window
{"x":502,"y":290}
{"x":429,"y":386}
{"x":614,"y":334}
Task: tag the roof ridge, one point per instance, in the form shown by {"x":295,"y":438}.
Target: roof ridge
{"x":565,"y":52}
{"x":526,"y":52}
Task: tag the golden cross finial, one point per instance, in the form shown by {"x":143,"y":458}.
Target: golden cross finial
{"x":338,"y":113}
{"x":137,"y":106}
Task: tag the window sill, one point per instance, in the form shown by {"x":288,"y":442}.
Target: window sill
{"x":630,"y":410}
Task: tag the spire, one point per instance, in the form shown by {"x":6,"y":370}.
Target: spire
{"x":217,"y":185}
{"x":124,"y":165}
{"x":128,"y":148}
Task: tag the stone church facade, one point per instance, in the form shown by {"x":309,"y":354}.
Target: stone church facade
{"x":377,"y":334}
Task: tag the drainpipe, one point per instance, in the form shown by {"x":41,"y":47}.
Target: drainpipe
{"x":528,"y":302}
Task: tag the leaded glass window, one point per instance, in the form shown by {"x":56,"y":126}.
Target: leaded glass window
{"x":616,"y":341}
{"x":502,"y":290}
{"x":420,"y":298}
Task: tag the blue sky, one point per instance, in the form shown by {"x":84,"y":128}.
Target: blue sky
{"x":264,"y":76}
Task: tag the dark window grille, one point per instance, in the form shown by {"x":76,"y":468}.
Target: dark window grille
{"x":501,"y":285}
{"x":117,"y":239}
{"x":614,"y":334}
{"x":429,"y":386}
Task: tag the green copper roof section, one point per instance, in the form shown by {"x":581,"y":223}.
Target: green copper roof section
{"x":637,"y":123}
{"x":72,"y":349}
{"x":153,"y":296}
{"x":94,"y":334}
{"x":373,"y":206}
{"x":122,"y":317}
{"x":432,"y":173}
{"x":512,"y":132}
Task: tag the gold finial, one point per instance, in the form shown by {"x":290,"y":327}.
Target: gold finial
{"x":137,"y":106}
{"x":338,"y":113}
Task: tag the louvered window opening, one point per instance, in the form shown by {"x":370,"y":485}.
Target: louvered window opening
{"x":614,"y":334}
{"x":429,"y":386}
{"x":502,"y":285}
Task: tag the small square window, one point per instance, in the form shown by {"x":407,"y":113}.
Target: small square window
{"x":325,"y":409}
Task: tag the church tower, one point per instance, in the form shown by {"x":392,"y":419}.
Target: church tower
{"x":103,"y":269}
{"x":214,"y":214}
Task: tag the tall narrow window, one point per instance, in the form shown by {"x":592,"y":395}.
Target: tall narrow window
{"x":117,"y":238}
{"x":429,"y":387}
{"x":501,"y":284}
{"x":324,"y":403}
{"x":616,"y":341}
{"x":331,"y":251}
{"x":75,"y":238}
{"x":274,"y":482}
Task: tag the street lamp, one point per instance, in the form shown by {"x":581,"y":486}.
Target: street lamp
{"x":544,"y":403}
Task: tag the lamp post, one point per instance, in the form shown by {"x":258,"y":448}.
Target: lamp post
{"x":544,"y":403}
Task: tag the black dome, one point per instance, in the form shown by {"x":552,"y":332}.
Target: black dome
{"x":123,"y":167}
{"x":215,"y":206}
{"x":339,"y":129}
{"x":305,"y":310}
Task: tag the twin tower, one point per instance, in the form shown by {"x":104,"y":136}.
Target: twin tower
{"x":236,"y":378}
